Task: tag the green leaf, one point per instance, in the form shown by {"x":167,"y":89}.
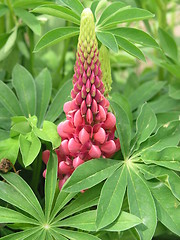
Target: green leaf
{"x":93,"y":7}
{"x":108,"y":40}
{"x":55,"y":36}
{"x":174,"y":91}
{"x":28,"y":3}
{"x":3,"y":9}
{"x":9,"y":100}
{"x":29,"y":19}
{"x":86,"y":200}
{"x":130,"y":48}
{"x":7,"y":48}
{"x":123,"y":222}
{"x":58,"y":11}
{"x":25,"y":88}
{"x":11,"y":216}
{"x":167,"y":206}
{"x":4,"y":134}
{"x":23,"y":188}
{"x":127,"y":15}
{"x":145,"y":125}
{"x":145,"y":92}
{"x":56,"y":235}
{"x":50,"y":183}
{"x":135,"y":35}
{"x":167,"y":135}
{"x":9,"y":149}
{"x":22,"y":235}
{"x":168,"y":157}
{"x":43,"y":89}
{"x":22,"y":127}
{"x":75,"y":5}
{"x":123,"y":128}
{"x":90,"y":174}
{"x":56,"y":107}
{"x":110,"y":10}
{"x":141,"y":204}
{"x":168,"y":44}
{"x":111,"y":198}
{"x":74,"y":235}
{"x":168,"y":177}
{"x":48,"y":133}
{"x":30,"y":146}
{"x":164,"y":118}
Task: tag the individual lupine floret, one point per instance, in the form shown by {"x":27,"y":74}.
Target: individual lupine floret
{"x":88,"y":131}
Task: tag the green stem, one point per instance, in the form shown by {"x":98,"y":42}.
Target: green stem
{"x":31,"y":48}
{"x":36,"y":173}
{"x":13,"y":19}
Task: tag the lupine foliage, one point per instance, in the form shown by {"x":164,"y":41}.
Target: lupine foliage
{"x":133,"y":194}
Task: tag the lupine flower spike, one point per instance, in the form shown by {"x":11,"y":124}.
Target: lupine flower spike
{"x":88,"y":131}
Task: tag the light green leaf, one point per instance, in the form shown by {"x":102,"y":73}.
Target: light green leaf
{"x":93,"y":7}
{"x":110,"y":10}
{"x":29,"y":19}
{"x":9,"y":100}
{"x":4,"y":134}
{"x":111,"y":198}
{"x":168,"y":157}
{"x":7,"y":48}
{"x":127,"y":15}
{"x":135,"y":35}
{"x":50,"y":184}
{"x":145,"y":125}
{"x":58,"y":11}
{"x":141,"y":204}
{"x":168,"y":44}
{"x":90,"y":174}
{"x":30,"y":146}
{"x":168,"y":208}
{"x":75,"y":5}
{"x":144,"y":93}
{"x":28,"y":3}
{"x":55,"y":36}
{"x":174,"y":91}
{"x":108,"y":40}
{"x":10,"y":216}
{"x":48,"y":133}
{"x":23,"y":188}
{"x":3,"y":9}
{"x":24,"y":85}
{"x":56,"y":107}
{"x":130,"y":48}
{"x":43,"y":89}
{"x":20,"y":127}
{"x":57,"y":235}
{"x":123,"y":128}
{"x":9,"y":149}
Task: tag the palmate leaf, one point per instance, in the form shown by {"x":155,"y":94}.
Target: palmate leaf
{"x":75,"y":5}
{"x":108,"y":40}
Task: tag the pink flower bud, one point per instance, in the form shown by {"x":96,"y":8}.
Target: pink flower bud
{"x":62,"y":182}
{"x":100,"y":136}
{"x":94,"y":107}
{"x":88,"y":100}
{"x":74,"y":146}
{"x":60,"y":130}
{"x":68,"y":127}
{"x":97,"y":82}
{"x":92,"y":78}
{"x":109,"y":147}
{"x":102,"y":113}
{"x":78,"y":120}
{"x":64,"y":147}
{"x":45,"y":156}
{"x":83,"y":92}
{"x":95,"y":151}
{"x":88,"y":85}
{"x":74,"y":106}
{"x":93,"y":90}
{"x":78,"y":99}
{"x":98,"y":96}
{"x":118,"y":146}
{"x":83,"y":136}
{"x":83,"y":108}
{"x":44,"y":173}
{"x":110,"y":121}
{"x":77,"y":161}
{"x":64,"y":168}
{"x":73,"y":95}
{"x":84,"y":78}
{"x":80,"y":83}
{"x":89,"y":116}
{"x":67,"y":107}
{"x":88,"y":72}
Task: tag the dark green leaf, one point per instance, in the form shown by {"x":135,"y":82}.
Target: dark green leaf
{"x":108,"y":40}
{"x":9,"y":149}
{"x":111,"y":198}
{"x":4,"y":134}
{"x":55,"y":36}
{"x":174,"y":91}
{"x":141,"y":204}
{"x":43,"y":89}
{"x":90,"y":174}
{"x":58,"y":11}
{"x":24,"y":85}
{"x":75,"y":5}
{"x":164,"y":118}
{"x":28,"y":3}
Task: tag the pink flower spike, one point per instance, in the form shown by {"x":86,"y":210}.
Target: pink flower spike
{"x":83,"y":136}
{"x":88,"y":100}
{"x":95,"y":151}
{"x":110,"y":121}
{"x":77,"y":161}
{"x":88,"y":85}
{"x":44,"y":173}
{"x":64,"y":147}
{"x":78,"y":120}
{"x":93,"y":90}
{"x":89,"y":116}
{"x":109,"y":147}
{"x":73,"y":146}
{"x":67,"y":107}
{"x":45,"y":156}
{"x":94,"y":107}
{"x":102,"y":113}
{"x":64,"y":168}
{"x":100,"y":136}
{"x":83,"y":108}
